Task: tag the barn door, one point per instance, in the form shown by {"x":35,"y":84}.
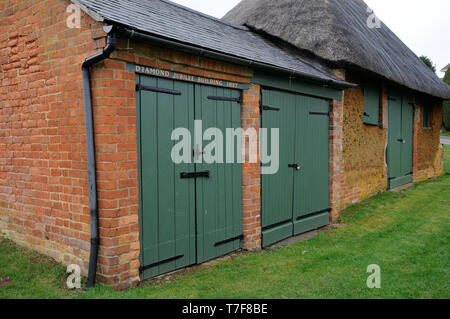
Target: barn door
{"x":167,"y":201}
{"x":400,"y":135}
{"x":219,"y":197}
{"x":296,"y":199}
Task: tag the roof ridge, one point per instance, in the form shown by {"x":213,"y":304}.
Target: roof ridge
{"x":204,"y":15}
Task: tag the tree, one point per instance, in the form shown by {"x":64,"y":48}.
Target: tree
{"x":446,"y":116}
{"x":428,"y":63}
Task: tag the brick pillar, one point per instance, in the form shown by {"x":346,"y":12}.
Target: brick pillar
{"x":336,"y":157}
{"x":251,"y":174}
{"x":114,"y":101}
{"x":337,"y":179}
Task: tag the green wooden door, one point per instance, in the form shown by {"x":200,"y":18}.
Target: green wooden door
{"x":186,"y":218}
{"x":167,"y":202}
{"x":277,"y":194}
{"x":311,"y":181}
{"x":296,"y":199}
{"x":219,"y":197}
{"x":400,"y":140}
{"x":407,"y":136}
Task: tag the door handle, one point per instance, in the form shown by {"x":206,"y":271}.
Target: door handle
{"x":401,"y":141}
{"x":296,"y":166}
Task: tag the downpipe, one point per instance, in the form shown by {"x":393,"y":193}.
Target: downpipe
{"x":90,"y":148}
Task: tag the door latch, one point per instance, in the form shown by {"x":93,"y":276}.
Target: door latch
{"x":195,"y":174}
{"x":401,"y":141}
{"x":296,"y":166}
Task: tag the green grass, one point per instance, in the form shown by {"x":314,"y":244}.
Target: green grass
{"x":446,"y":134}
{"x":407,"y":234}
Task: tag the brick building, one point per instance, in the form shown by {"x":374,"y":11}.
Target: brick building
{"x":87,"y":112}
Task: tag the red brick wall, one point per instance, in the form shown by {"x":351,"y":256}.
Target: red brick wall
{"x":43,"y":178}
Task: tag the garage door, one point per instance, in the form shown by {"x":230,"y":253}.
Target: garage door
{"x":400,"y":140}
{"x":189,"y":212}
{"x":296,"y":198}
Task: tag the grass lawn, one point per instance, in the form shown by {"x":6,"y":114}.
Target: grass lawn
{"x":446,"y":134}
{"x":407,"y":234}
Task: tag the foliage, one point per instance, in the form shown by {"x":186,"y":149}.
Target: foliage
{"x":428,"y":63}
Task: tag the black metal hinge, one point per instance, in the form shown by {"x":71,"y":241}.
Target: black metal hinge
{"x":277,"y":224}
{"x":195,"y":174}
{"x":226,"y":99}
{"x":226,"y":241}
{"x":269,"y":108}
{"x":320,"y":113}
{"x":165,"y":261}
{"x":326,"y":210}
{"x":155,"y":89}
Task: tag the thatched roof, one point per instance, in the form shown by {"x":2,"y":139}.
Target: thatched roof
{"x":337,"y":31}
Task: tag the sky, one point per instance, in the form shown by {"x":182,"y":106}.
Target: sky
{"x":424,"y":26}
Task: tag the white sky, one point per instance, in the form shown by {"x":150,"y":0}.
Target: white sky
{"x":424,"y":26}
